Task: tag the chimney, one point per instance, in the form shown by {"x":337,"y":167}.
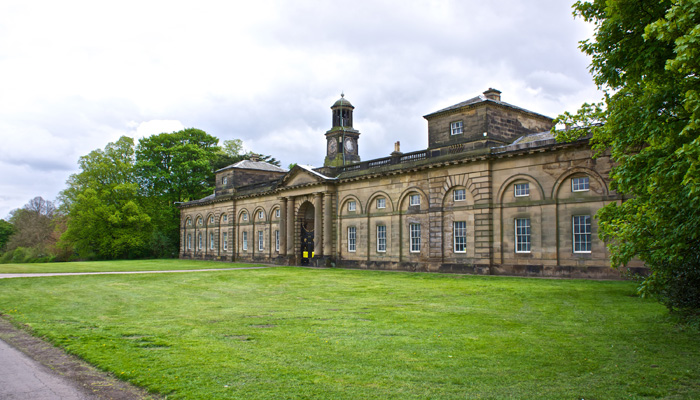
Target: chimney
{"x":254,"y":157}
{"x":397,"y":149}
{"x":493,"y":94}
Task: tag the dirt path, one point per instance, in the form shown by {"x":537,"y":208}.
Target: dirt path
{"x":50,"y":373}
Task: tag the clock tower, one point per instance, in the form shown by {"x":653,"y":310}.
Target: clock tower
{"x":341,"y":139}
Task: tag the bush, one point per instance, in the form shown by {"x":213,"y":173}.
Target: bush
{"x":677,"y":284}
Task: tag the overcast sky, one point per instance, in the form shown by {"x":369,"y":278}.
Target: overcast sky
{"x":75,"y":75}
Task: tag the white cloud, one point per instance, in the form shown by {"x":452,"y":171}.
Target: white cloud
{"x":79,"y":74}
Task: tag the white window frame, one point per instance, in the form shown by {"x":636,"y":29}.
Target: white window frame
{"x":261,"y":241}
{"x":245,"y":241}
{"x":414,"y":237}
{"x":245,"y":216}
{"x":352,"y":239}
{"x":523,"y":235}
{"x":261,"y":215}
{"x":580,"y":184}
{"x":352,"y":205}
{"x":521,"y":189}
{"x":459,"y":235}
{"x":189,"y":241}
{"x":224,"y":241}
{"x":277,"y":240}
{"x":199,"y":241}
{"x":277,"y":213}
{"x":225,"y":218}
{"x":381,"y":202}
{"x":460,"y":194}
{"x":211,"y":240}
{"x":381,"y":238}
{"x":581,"y":238}
{"x":414,"y":200}
{"x":456,"y":127}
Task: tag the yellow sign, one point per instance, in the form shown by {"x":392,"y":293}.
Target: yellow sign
{"x":312,"y":254}
{"x":305,"y":254}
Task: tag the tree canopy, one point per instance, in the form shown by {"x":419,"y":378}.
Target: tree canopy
{"x":646,"y":57}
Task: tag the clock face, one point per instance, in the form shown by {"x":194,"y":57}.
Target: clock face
{"x":349,"y":145}
{"x":331,"y":146}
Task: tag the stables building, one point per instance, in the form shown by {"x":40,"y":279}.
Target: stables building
{"x":493,"y":193}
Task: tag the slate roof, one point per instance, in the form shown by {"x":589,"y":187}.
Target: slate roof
{"x":259,"y":165}
{"x":481,"y":99}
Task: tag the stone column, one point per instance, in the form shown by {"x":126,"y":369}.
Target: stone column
{"x":283,"y":226}
{"x":290,"y":226}
{"x":327,"y":224}
{"x":318,"y":224}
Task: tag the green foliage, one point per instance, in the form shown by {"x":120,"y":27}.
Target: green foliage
{"x":646,"y":56}
{"x":6,"y":230}
{"x":106,"y":219}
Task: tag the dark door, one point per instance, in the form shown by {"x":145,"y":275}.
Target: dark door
{"x":307,"y":244}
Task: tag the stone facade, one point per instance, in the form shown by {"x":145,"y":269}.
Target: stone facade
{"x":494,"y":193}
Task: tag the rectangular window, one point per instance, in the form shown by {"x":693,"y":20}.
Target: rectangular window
{"x":225,"y":180}
{"x":582,"y":233}
{"x":460,"y":236}
{"x":189,"y":241}
{"x":414,"y":230}
{"x":211,"y":241}
{"x":460,"y":194}
{"x":381,"y":238}
{"x":277,"y":213}
{"x":381,"y":202}
{"x":522,"y":189}
{"x":211,"y":219}
{"x":224,"y":241}
{"x":522,"y":235}
{"x":245,"y":241}
{"x":245,"y":216}
{"x":260,"y":215}
{"x":260,"y":240}
{"x":579,"y":184}
{"x":352,"y":205}
{"x":199,"y":241}
{"x":456,"y":127}
{"x":414,"y":200}
{"x":225,"y":218}
{"x":351,"y":238}
{"x":277,"y":240}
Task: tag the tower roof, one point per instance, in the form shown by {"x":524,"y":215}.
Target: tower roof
{"x":342,"y":102}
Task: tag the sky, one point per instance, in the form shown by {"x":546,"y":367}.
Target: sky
{"x":76,"y":75}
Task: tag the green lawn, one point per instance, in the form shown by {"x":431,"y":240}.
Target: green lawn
{"x":114,"y":266}
{"x":293,"y":333}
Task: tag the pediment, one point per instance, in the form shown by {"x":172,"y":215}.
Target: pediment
{"x":299,"y":176}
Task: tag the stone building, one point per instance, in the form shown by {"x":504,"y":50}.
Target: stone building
{"x":493,"y":193}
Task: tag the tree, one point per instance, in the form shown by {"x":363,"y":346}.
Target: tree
{"x":6,"y":230}
{"x":33,"y":225}
{"x":174,"y":167}
{"x":646,"y":57}
{"x":106,"y":217}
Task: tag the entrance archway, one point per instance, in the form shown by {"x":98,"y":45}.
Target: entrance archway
{"x":306,"y":219}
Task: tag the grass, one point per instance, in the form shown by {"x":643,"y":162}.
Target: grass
{"x":297,"y":333}
{"x":116,"y":266}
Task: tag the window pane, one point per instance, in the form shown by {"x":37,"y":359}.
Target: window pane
{"x":460,"y":194}
{"x":415,"y":238}
{"x":579,"y":184}
{"x":522,"y":189}
{"x":381,"y":238}
{"x":460,"y":236}
{"x":351,"y":238}
{"x":522,"y":235}
{"x":582,"y":233}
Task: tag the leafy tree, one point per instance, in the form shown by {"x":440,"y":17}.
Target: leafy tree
{"x":33,"y":225}
{"x":6,"y":230}
{"x":646,"y":57}
{"x":106,"y":218}
{"x":174,"y":167}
